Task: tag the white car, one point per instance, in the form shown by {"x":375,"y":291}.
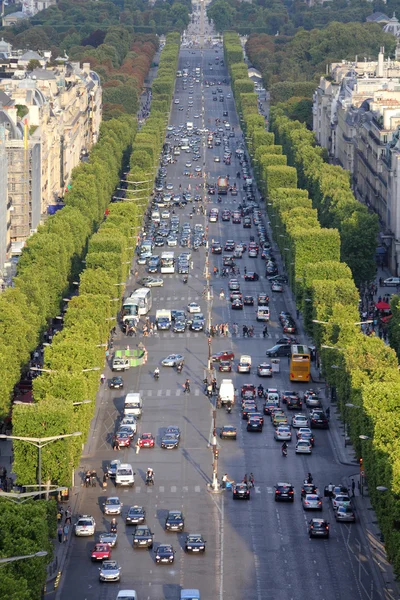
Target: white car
{"x":217,"y":159}
{"x":392,"y":281}
{"x":172,"y":240}
{"x":303,"y":447}
{"x":85,"y":525}
{"x":176,"y":101}
{"x":283,"y":434}
{"x":113,"y":506}
{"x":193,"y":307}
{"x":277,"y":287}
{"x":299,"y":421}
{"x":165,"y":214}
{"x":130,"y":421}
{"x":127,"y":595}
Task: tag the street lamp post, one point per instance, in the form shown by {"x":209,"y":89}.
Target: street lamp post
{"x":4,"y":561}
{"x":40,"y":443}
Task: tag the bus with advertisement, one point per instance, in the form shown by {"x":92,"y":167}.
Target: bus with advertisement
{"x":300,"y":363}
{"x":167,"y":262}
{"x":222,"y":185}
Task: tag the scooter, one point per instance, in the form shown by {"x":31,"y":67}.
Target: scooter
{"x":149,"y":479}
{"x":156,"y":375}
{"x":229,"y":408}
{"x":284,"y":452}
{"x":260,"y":392}
{"x":179,"y":367}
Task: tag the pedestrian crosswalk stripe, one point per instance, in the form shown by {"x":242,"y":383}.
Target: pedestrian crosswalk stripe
{"x":173,"y":489}
{"x":159,"y":393}
{"x":257,"y":489}
{"x":197,"y":488}
{"x":185,"y":488}
{"x":161,"y":489}
{"x":167,"y":392}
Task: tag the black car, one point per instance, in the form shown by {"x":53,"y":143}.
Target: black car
{"x":225,"y":366}
{"x":262,"y":300}
{"x":318,"y":419}
{"x":247,"y":223}
{"x":308,"y":488}
{"x":294,"y":403}
{"x":284,"y":492}
{"x":165,"y":554}
{"x":240,"y":491}
{"x":279,"y":350}
{"x":254,"y":423}
{"x":195,"y":543}
{"x":229,"y":246}
{"x":143,"y":537}
{"x":136,"y":515}
{"x":174,"y":521}
{"x":216,"y":248}
{"x":116,"y":383}
{"x":179,"y":327}
{"x":169,"y":441}
{"x":251,"y":276}
{"x":248,"y":301}
{"x":318,"y":528}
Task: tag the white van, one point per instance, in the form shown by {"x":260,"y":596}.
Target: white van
{"x":133,"y":405}
{"x":263,"y":313}
{"x":155,"y":216}
{"x":227,"y":391}
{"x":124,"y":475}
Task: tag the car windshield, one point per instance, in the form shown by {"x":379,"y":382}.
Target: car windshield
{"x":112,"y":501}
{"x":175,"y":517}
{"x":124,"y":471}
{"x":84,"y":523}
{"x":194,"y":538}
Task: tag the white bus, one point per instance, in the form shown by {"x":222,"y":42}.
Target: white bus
{"x":168,"y":262}
{"x":144,"y":300}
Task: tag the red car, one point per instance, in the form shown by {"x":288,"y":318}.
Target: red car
{"x":146,"y":440}
{"x":124,"y":439}
{"x":225,"y":355}
{"x":248,"y":390}
{"x":101,"y":552}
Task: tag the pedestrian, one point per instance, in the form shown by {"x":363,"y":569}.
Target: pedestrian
{"x":105,"y":480}
{"x":116,"y":444}
{"x":59,"y":516}
{"x":245,"y":480}
{"x":138,"y":446}
{"x":60,"y":533}
{"x":214,"y":385}
{"x":187,"y":386}
{"x":66,"y":532}
{"x":380,"y":282}
{"x":353,"y":487}
{"x":68,"y":515}
{"x":328,"y":412}
{"x":265,"y":332}
{"x":245,"y":270}
{"x":251,"y":479}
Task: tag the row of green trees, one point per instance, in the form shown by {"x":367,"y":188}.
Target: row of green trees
{"x":363,"y":369}
{"x":65,"y":396}
{"x":24,"y":530}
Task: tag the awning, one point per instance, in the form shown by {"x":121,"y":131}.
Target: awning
{"x":382,"y":305}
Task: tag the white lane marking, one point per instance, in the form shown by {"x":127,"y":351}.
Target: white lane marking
{"x":161,"y":489}
{"x":137,"y":489}
{"x":197,"y":489}
{"x":159,"y":393}
{"x":173,"y":488}
{"x":167,"y":393}
{"x":185,"y":488}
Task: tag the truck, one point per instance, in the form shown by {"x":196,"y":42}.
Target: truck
{"x":163,"y":319}
{"x":223,"y":185}
{"x":124,"y":359}
{"x":226,"y":392}
{"x":120,"y":363}
{"x":189,"y":126}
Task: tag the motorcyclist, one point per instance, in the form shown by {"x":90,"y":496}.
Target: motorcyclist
{"x":309,"y":478}
{"x":229,"y":407}
{"x":260,"y":390}
{"x":156,"y":373}
{"x":88,"y":475}
{"x":113,"y":525}
{"x":149,"y":475}
{"x":179,"y":367}
{"x":187,"y":386}
{"x":284,"y":448}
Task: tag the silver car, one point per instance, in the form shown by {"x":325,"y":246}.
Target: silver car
{"x":340,"y":500}
{"x":85,"y":525}
{"x":108,"y":538}
{"x":110,"y":571}
{"x":112,"y":467}
{"x":345,"y":514}
{"x":312,"y":502}
{"x":131,"y":422}
{"x":283,"y":433}
{"x":303,"y":447}
{"x":299,"y":421}
{"x":113,"y":506}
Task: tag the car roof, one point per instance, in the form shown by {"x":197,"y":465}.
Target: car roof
{"x":283,"y":484}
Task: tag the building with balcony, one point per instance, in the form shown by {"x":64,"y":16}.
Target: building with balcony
{"x":49,"y":119}
{"x":356,"y":117}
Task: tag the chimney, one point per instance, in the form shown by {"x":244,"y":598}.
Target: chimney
{"x":86,"y":68}
{"x":381,"y":58}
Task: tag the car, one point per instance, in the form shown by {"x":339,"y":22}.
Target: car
{"x":151,"y":282}
{"x":193,"y":307}
{"x":226,"y":215}
{"x":278,"y":417}
{"x":101,"y":552}
{"x":264,"y":370}
{"x":109,"y":571}
{"x":294,"y":402}
{"x":395,"y":281}
{"x":279,"y":350}
{"x":116,"y":383}
{"x":113,"y":506}
{"x":85,"y":526}
{"x":216,"y":248}
{"x":135,"y":515}
{"x":195,"y":543}
{"x":112,"y":467}
{"x":248,"y":391}
{"x":235,"y":295}
{"x":127,"y":595}
{"x":229,"y":246}
{"x":340,"y":500}
{"x":224,"y":355}
{"x":254,"y":423}
{"x":318,"y":419}
{"x":164,"y":554}
{"x":108,"y":538}
{"x":172,"y":240}
{"x":217,"y":159}
{"x":303,"y":447}
{"x":237,"y":304}
{"x":251,"y":276}
{"x":248,"y":301}
{"x":284,"y":492}
{"x":225,"y":366}
{"x":169,"y":441}
{"x":143,"y":537}
{"x":129,"y":421}
{"x":240,"y":491}
{"x":234,"y":285}
{"x":179,"y":326}
{"x":311,"y":399}
{"x":262,"y":300}
{"x":146,"y":440}
{"x":244,"y":365}
{"x":311,"y":502}
{"x":276,"y":286}
{"x":173,"y":430}
{"x":305,"y":433}
{"x":123,"y":438}
{"x":318,"y":528}
{"x":283,"y":434}
{"x":172,"y":360}
{"x":176,"y":101}
{"x":228,"y":432}
{"x":174,"y":521}
{"x":130,"y":431}
{"x":308,"y":488}
{"x":299,"y":420}
{"x":345,"y":514}
{"x":287,"y":393}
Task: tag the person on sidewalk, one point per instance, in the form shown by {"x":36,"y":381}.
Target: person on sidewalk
{"x":66,"y":532}
{"x":353,"y":487}
{"x":60,"y":533}
{"x":68,"y":515}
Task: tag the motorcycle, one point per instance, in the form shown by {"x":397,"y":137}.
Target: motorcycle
{"x":229,"y":409}
{"x":156,"y":375}
{"x":284,"y":452}
{"x":113,"y":528}
{"x":260,"y":392}
{"x":149,"y":479}
{"x":179,"y":367}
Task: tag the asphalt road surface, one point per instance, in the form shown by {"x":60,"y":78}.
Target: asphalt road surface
{"x":257,"y":549}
